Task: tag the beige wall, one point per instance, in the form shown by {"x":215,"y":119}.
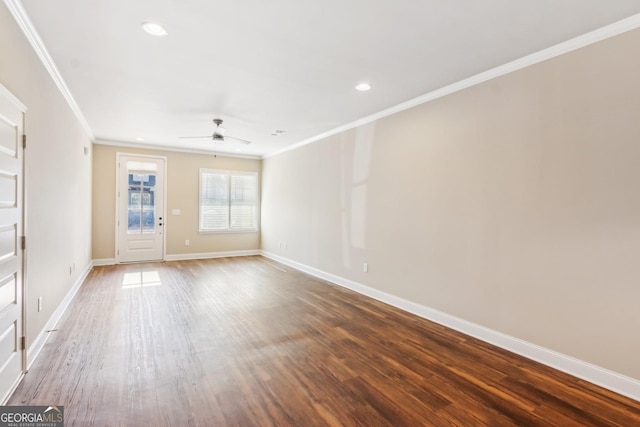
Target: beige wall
{"x":58,"y":179}
{"x":514,"y":204}
{"x":182,"y":193}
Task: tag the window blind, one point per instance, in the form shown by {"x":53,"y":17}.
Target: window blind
{"x":228,"y":200}
{"x":243,"y":201}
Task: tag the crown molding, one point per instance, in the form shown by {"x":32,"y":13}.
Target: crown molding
{"x":603,"y":33}
{"x":23,"y":21}
{"x":159,"y":147}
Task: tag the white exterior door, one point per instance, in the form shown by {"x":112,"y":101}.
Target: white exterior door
{"x":11,"y":253}
{"x":140,"y":222}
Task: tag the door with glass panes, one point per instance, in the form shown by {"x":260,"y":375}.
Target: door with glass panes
{"x":140,"y":208}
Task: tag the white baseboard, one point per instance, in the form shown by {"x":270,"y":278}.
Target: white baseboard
{"x":185,"y":257}
{"x":12,"y":389}
{"x":206,"y":255}
{"x":605,"y":378}
{"x":104,"y":261}
{"x":34,"y":349}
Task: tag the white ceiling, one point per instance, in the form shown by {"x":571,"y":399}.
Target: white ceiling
{"x":284,"y":64}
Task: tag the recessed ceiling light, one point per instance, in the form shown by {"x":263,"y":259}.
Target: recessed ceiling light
{"x":139,"y":139}
{"x":363,"y":87}
{"x":154,"y":29}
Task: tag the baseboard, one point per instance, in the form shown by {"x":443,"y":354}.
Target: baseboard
{"x":12,"y":389}
{"x":605,"y":378}
{"x":186,"y":257}
{"x":104,"y":261}
{"x":206,"y":255}
{"x":34,"y":349}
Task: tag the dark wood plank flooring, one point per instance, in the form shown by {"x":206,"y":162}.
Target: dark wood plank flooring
{"x":250,"y":342}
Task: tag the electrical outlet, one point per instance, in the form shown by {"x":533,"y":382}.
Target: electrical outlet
{"x":365,"y":267}
{"x":187,"y":243}
{"x":39,"y":304}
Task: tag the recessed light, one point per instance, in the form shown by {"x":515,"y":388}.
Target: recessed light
{"x":363,"y":87}
{"x":139,"y":139}
{"x":154,"y":29}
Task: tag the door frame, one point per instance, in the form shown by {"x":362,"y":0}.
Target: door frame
{"x":119,"y":155}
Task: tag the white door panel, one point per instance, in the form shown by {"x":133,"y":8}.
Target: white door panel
{"x":140,"y":208}
{"x":11,"y":253}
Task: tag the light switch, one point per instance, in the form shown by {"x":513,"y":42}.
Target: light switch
{"x":175,"y":212}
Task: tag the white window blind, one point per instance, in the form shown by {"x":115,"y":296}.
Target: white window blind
{"x":243,"y":201}
{"x":228,"y":200}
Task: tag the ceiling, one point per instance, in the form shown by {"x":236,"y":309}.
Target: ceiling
{"x":283,"y":64}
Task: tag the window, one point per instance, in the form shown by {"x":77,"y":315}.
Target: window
{"x":142,"y":205}
{"x":228,"y":201}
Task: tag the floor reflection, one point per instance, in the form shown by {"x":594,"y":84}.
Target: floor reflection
{"x":141,"y":279}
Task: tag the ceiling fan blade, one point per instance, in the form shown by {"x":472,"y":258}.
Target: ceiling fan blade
{"x":242,"y":141}
{"x":201,"y":137}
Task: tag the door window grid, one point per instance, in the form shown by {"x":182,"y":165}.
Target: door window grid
{"x":141,"y":203}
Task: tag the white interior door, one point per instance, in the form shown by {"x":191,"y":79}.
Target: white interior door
{"x":140,"y":203}
{"x":11,"y":253}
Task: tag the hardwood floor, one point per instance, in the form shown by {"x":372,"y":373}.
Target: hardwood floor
{"x":250,"y":342}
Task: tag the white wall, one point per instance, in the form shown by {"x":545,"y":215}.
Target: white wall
{"x":58,"y":178}
{"x":513,"y":204}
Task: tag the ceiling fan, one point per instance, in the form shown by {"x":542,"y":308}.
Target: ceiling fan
{"x":218,"y":134}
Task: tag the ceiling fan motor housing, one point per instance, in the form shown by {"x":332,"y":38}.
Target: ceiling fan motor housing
{"x":218,"y":133}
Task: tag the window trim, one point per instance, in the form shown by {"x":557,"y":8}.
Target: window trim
{"x":229,"y":173}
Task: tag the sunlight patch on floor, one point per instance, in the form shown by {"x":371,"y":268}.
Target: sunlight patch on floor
{"x":141,"y":279}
